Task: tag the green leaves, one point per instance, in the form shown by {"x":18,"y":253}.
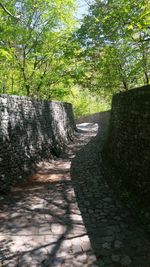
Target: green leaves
{"x":5,"y":54}
{"x":115,"y":36}
{"x":32,"y":47}
{"x":44,"y":54}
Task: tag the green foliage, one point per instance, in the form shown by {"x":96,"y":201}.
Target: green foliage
{"x":85,"y":103}
{"x":31,"y":47}
{"x":44,"y":53}
{"x":115,"y":38}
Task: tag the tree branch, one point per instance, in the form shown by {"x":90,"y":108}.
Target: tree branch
{"x":8,"y":12}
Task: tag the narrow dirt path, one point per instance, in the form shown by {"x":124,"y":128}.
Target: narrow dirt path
{"x":66,"y":215}
{"x":40,"y":222}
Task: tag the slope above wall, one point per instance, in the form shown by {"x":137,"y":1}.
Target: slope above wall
{"x":30,"y":130}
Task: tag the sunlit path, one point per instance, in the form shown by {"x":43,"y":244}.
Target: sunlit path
{"x":116,"y":235}
{"x":67,"y":216}
{"x":41,"y":224}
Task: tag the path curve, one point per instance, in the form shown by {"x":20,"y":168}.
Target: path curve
{"x":117,"y":238}
{"x":40,"y":222}
{"x":67,"y":218}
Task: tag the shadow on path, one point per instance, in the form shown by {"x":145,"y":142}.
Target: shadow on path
{"x":46,"y":223}
{"x":117,"y":239}
{"x":40,"y":222}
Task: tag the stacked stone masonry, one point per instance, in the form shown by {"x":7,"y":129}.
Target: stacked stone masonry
{"x":127,"y":150}
{"x":30,"y":130}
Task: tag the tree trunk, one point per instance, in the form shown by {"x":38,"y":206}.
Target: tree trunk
{"x":125,"y":85}
{"x":123,"y":77}
{"x":12,"y":83}
{"x":144,"y":56}
{"x":27,"y":89}
{"x":146,"y":77}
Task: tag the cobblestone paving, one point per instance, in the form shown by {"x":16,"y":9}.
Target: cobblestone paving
{"x":46,"y":223}
{"x":40,"y":222}
{"x":116,"y":237}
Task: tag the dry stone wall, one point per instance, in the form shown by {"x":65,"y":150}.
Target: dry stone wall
{"x":30,"y":130}
{"x":127,"y":150}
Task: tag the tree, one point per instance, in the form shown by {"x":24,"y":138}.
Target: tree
{"x":115,"y":34}
{"x":31,"y":46}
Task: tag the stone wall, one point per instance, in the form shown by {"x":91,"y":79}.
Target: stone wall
{"x":31,"y":130}
{"x":127,"y":150}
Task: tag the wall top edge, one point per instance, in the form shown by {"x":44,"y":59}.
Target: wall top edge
{"x":138,"y":91}
{"x":33,"y":99}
